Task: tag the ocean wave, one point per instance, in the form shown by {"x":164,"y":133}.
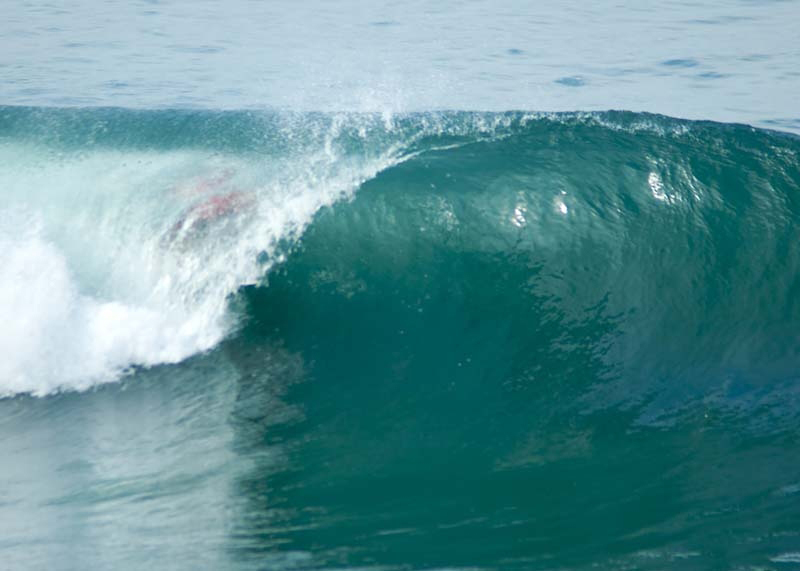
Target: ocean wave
{"x":605,"y":248}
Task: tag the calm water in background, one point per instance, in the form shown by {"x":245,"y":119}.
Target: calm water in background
{"x":726,"y":60}
{"x":449,"y":340}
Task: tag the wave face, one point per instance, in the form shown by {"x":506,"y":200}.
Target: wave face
{"x":615,"y":259}
{"x":500,"y":340}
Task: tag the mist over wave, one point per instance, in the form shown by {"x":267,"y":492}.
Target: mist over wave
{"x":124,"y":237}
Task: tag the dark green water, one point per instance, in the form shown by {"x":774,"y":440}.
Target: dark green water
{"x":564,"y":342}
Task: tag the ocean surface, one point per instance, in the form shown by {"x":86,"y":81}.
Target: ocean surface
{"x":400,"y":286}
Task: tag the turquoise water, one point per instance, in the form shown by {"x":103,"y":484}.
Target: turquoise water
{"x":294,"y":322}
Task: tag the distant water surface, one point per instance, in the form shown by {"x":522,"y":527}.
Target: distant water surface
{"x":726,"y":60}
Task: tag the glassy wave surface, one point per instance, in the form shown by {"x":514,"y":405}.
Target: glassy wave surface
{"x":429,"y":340}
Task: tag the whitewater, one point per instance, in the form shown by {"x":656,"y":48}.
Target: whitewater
{"x":92,"y":246}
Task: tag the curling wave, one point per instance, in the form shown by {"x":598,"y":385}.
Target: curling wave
{"x":611,"y":246}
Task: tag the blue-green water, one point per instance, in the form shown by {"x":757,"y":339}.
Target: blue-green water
{"x":457,"y":340}
{"x":386,"y":287}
